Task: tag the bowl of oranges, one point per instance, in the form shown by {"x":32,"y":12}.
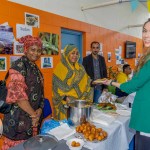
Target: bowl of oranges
{"x":75,"y":144}
{"x":89,"y":132}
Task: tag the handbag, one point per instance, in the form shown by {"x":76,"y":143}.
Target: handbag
{"x":4,"y":107}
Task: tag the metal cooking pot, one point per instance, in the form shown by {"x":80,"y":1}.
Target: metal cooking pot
{"x":79,"y":111}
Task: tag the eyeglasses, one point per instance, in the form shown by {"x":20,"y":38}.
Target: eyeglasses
{"x":95,"y":47}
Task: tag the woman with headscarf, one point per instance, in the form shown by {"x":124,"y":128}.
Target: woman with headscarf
{"x":25,"y":93}
{"x":70,"y":82}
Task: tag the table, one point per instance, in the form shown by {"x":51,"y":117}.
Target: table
{"x":61,"y":146}
{"x":119,"y":137}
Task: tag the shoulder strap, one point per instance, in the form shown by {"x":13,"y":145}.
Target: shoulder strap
{"x":6,"y":76}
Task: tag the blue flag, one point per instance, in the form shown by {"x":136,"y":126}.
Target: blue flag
{"x":134,"y":4}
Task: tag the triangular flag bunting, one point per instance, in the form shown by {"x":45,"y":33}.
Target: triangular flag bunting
{"x":134,"y":4}
{"x":148,"y":5}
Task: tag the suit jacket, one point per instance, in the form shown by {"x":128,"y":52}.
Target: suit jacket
{"x":88,"y":65}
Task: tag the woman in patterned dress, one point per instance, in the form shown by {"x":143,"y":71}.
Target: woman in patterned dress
{"x":25,"y":93}
{"x":70,"y":82}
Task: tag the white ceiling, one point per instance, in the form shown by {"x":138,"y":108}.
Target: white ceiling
{"x":115,"y":17}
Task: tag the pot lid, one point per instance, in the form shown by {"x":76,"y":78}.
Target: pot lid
{"x":40,"y":142}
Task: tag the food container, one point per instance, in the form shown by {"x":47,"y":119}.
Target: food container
{"x":79,"y":111}
{"x":71,"y":147}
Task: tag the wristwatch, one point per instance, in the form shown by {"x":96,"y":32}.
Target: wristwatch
{"x":111,"y":82}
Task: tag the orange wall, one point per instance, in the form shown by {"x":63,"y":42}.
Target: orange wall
{"x":14,"y":13}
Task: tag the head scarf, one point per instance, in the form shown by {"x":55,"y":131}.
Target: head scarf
{"x":69,"y":80}
{"x":65,"y":57}
{"x":29,"y":40}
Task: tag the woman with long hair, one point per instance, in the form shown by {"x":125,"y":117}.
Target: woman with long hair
{"x":140,"y":83}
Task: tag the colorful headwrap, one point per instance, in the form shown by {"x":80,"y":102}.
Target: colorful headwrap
{"x":28,"y":41}
{"x":65,"y":57}
{"x":67,"y":50}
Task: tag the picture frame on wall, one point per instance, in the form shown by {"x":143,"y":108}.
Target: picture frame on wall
{"x":18,"y":48}
{"x":23,"y":30}
{"x":50,"y":43}
{"x":46,"y":62}
{"x":6,"y":40}
{"x":3,"y":64}
{"x":32,"y":20}
{"x":109,"y":56}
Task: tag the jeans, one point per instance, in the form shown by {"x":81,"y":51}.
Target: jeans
{"x":97,"y":94}
{"x":142,"y":142}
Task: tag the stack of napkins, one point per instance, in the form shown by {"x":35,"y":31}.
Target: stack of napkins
{"x":61,"y":132}
{"x":102,"y":118}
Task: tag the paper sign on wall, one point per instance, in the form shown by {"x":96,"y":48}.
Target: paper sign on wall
{"x":23,"y":30}
{"x":109,"y":56}
{"x":88,"y":53}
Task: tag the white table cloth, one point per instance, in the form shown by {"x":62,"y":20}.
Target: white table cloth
{"x":119,"y":136}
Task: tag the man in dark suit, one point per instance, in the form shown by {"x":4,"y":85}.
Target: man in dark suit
{"x":95,"y":67}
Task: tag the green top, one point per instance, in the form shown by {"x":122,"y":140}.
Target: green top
{"x":140,"y":83}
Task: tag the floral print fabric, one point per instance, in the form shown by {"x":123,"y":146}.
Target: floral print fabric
{"x":16,"y":87}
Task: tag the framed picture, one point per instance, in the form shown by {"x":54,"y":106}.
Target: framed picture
{"x":46,"y":62}
{"x":32,"y":20}
{"x":3,"y":65}
{"x":50,"y":43}
{"x":109,"y":56}
{"x":13,"y":59}
{"x":6,"y":40}
{"x":18,"y":48}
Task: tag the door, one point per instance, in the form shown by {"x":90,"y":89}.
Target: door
{"x":72,"y":37}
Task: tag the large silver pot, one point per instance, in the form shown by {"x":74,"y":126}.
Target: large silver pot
{"x":79,"y":112}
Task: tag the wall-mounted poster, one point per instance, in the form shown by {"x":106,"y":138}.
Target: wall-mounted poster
{"x":101,"y":53}
{"x":32,"y":20}
{"x":109,"y":56}
{"x":6,"y":40}
{"x":13,"y":59}
{"x":139,"y":55}
{"x":3,"y":65}
{"x":50,"y":43}
{"x":46,"y":62}
{"x":88,"y":53}
{"x":136,"y":61}
{"x":23,"y":30}
{"x":18,"y":48}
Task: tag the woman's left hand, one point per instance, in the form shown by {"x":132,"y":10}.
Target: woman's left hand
{"x":38,"y":112}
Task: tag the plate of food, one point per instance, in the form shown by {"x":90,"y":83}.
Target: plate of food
{"x":89,"y":132}
{"x":106,"y":107}
{"x":75,"y":144}
{"x":100,"y":80}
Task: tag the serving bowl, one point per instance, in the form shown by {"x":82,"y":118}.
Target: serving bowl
{"x":69,"y":143}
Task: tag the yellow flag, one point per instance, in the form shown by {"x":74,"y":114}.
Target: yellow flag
{"x":148,"y":5}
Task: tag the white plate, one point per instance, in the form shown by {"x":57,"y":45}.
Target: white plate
{"x":77,"y":140}
{"x":123,"y":112}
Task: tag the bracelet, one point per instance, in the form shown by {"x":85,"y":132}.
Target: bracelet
{"x":111,"y":82}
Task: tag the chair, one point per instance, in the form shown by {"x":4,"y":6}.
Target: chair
{"x":47,"y":108}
